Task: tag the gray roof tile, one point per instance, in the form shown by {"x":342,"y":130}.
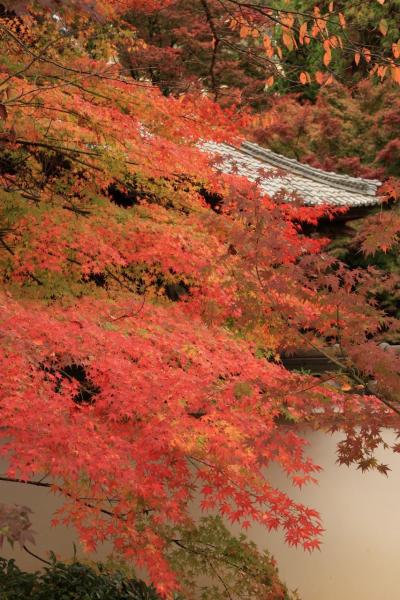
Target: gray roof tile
{"x":275,"y":173}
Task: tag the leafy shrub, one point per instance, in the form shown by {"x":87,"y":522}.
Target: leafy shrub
{"x":75,"y":581}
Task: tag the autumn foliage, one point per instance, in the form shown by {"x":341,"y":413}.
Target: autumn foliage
{"x":146,"y":300}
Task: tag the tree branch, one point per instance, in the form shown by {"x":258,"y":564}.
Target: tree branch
{"x":43,"y":560}
{"x":216,"y":42}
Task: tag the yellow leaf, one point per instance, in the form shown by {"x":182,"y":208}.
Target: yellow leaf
{"x":395,"y":72}
{"x":382,"y":71}
{"x":396,"y":49}
{"x":270,"y":81}
{"x":334,"y":41}
{"x":383,"y":26}
{"x":319,"y":77}
{"x":302,"y":32}
{"x":327,"y":56}
{"x":288,"y":21}
{"x":367,"y":54}
{"x":287,"y":40}
{"x":267,"y":42}
{"x":342,"y":20}
{"x":330,"y":8}
{"x":244,"y":31}
{"x":303,"y":78}
{"x":268,"y":46}
{"x":268,"y":119}
{"x":381,"y":1}
{"x":357,"y":58}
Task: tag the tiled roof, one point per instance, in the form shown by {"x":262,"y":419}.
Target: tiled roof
{"x":275,"y":173}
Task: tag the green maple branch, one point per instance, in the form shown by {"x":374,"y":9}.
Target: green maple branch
{"x":204,"y":553}
{"x":224,"y":584}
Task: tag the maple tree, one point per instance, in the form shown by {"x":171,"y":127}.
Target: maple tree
{"x":350,"y":130}
{"x":368,"y":32}
{"x":237,"y":49}
{"x":145,"y":301}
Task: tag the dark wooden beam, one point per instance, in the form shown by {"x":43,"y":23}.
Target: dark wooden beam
{"x":316,"y":362}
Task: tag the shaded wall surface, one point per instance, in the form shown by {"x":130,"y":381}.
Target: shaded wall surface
{"x":60,"y":539}
{"x":360,"y":555}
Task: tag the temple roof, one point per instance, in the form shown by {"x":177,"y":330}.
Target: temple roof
{"x":275,"y":173}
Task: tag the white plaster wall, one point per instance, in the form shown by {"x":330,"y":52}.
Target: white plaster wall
{"x":58,"y":539}
{"x":360,"y":555}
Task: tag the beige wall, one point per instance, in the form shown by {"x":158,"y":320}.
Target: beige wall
{"x":59,"y":539}
{"x":360,"y":555}
{"x":359,"y":559}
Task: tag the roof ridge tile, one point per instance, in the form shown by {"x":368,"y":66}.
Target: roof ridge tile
{"x":357,"y":184}
{"x":314,"y":186}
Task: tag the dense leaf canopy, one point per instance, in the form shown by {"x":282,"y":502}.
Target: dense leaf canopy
{"x":146,"y":300}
